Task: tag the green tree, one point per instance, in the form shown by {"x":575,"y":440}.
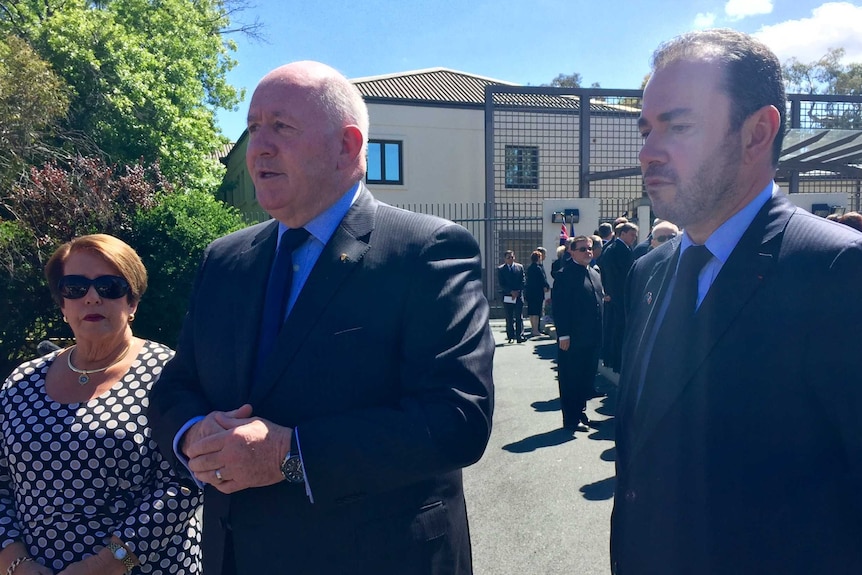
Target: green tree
{"x":170,"y":238}
{"x":145,"y":77}
{"x":32,"y":100}
{"x":566,"y":81}
{"x":59,"y":201}
{"x":828,"y":75}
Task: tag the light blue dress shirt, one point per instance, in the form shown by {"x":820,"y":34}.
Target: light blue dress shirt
{"x":320,"y":229}
{"x":720,"y":244}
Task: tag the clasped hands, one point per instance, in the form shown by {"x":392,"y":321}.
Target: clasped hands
{"x":232,"y":451}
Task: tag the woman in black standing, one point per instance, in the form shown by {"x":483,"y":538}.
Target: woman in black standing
{"x":534,"y":290}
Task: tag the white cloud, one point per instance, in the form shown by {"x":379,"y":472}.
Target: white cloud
{"x":832,"y":25}
{"x":704,"y":20}
{"x":738,"y":9}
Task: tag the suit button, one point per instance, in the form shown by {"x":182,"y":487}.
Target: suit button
{"x":631,"y":495}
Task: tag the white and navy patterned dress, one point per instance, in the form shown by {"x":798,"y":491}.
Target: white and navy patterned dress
{"x":72,"y":475}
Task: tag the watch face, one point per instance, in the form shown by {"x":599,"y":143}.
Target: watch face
{"x":292,"y":469}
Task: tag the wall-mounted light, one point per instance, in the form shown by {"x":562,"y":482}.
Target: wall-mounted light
{"x":567,"y":216}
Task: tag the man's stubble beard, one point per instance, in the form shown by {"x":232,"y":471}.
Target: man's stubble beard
{"x":708,"y":190}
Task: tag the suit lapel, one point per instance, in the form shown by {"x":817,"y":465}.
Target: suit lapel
{"x":341,"y":254}
{"x":751,"y":261}
{"x":645,"y":313}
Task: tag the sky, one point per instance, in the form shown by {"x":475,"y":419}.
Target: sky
{"x":520,"y":41}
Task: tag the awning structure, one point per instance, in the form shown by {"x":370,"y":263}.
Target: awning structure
{"x":821,"y":150}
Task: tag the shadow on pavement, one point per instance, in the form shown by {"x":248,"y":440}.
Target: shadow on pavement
{"x":546,"y":350}
{"x":609,"y":454}
{"x":544,"y":406}
{"x":547,"y":439}
{"x":600,"y":490}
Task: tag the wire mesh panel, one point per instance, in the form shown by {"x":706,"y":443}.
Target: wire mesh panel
{"x":823,"y":150}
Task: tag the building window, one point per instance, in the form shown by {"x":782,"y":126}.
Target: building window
{"x":384,"y":162}
{"x":522,"y":167}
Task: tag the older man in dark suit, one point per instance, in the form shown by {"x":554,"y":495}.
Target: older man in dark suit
{"x":331,"y":442}
{"x":739,"y":436}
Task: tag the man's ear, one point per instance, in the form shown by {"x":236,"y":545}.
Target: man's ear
{"x":759,"y":132}
{"x":351,"y":146}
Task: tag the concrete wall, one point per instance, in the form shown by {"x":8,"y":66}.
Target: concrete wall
{"x":443,"y":153}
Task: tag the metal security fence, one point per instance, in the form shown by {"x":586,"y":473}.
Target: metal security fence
{"x":823,"y":149}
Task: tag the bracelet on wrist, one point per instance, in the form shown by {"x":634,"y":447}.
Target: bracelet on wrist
{"x":15,"y":563}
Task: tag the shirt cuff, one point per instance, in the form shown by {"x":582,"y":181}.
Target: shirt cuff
{"x":179,"y":454}
{"x":301,"y":462}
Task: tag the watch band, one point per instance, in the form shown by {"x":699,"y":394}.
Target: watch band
{"x":122,"y":555}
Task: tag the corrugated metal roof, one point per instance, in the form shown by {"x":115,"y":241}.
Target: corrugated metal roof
{"x":432,"y":85}
{"x":222,"y":151}
{"x":445,"y":86}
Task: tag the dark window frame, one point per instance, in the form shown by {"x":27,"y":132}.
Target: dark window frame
{"x":384,"y":180}
{"x":521,"y":169}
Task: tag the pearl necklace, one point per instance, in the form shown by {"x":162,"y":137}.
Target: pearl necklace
{"x":84,"y":378}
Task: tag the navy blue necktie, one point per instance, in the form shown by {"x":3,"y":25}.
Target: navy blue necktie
{"x":278,"y":292}
{"x":675,"y":338}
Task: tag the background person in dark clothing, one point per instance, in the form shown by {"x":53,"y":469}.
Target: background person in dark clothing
{"x":511,"y":279}
{"x":578,"y":299}
{"x":535,"y":291}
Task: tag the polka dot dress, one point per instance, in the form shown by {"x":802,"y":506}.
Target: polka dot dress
{"x":72,"y":475}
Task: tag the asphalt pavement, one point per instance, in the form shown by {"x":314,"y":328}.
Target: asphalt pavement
{"x":540,"y":499}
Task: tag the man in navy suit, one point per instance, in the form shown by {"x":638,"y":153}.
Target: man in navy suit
{"x":616,"y":260}
{"x":511,"y":279}
{"x":340,"y":451}
{"x":739,"y":436}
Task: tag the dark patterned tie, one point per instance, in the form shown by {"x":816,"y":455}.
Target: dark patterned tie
{"x":674,"y":338}
{"x":278,"y":292}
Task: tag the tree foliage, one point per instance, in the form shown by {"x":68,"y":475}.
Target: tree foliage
{"x":828,"y":75}
{"x":569,"y":81}
{"x":170,"y":238}
{"x":32,"y":100}
{"x":60,"y":201}
{"x":145,"y":77}
{"x":566,"y":81}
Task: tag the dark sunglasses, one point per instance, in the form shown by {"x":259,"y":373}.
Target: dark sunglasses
{"x":108,"y":287}
{"x":663,"y":239}
{"x":583,"y":249}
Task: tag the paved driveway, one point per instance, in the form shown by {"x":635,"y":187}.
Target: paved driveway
{"x":540,"y":500}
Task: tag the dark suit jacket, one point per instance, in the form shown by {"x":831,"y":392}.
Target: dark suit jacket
{"x":750,"y":458}
{"x":383,"y":366}
{"x":511,"y":280}
{"x":642,"y":248}
{"x":615,"y":262}
{"x":536,"y":283}
{"x":577,"y":299}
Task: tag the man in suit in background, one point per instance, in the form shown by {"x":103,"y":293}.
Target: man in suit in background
{"x":511,"y":279}
{"x":615,"y":263}
{"x":578,"y":300}
{"x":739,"y":440}
{"x":643,"y":247}
{"x":340,"y":450}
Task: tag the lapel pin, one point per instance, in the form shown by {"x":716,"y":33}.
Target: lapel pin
{"x":648,"y":298}
{"x":344,"y":258}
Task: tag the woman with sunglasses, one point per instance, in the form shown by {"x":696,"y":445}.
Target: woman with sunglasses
{"x":83,"y":488}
